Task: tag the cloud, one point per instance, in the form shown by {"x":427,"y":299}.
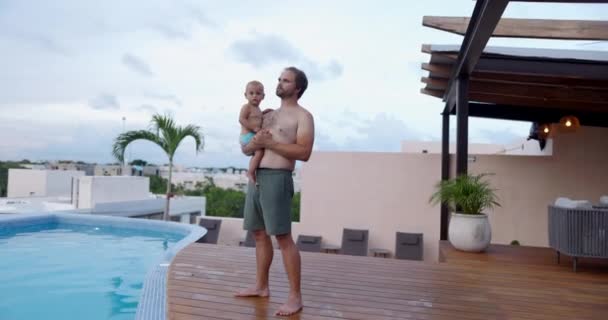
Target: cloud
{"x":323,"y":142}
{"x":383,"y":133}
{"x":172,"y":31}
{"x":164,"y":97}
{"x":183,"y":24}
{"x":263,"y":50}
{"x":137,"y":65}
{"x":318,"y":71}
{"x":201,"y":18}
{"x":39,"y":40}
{"x":335,"y":69}
{"x":104,"y":101}
{"x":148,"y":108}
{"x":267,"y":49}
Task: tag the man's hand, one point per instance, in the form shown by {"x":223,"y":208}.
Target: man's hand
{"x":267,"y":110}
{"x":263,"y":138}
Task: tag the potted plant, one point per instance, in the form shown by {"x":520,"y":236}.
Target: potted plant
{"x":467,"y":197}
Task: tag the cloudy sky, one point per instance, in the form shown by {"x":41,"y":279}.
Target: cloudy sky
{"x":72,"y":69}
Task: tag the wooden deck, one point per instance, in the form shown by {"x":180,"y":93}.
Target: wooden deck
{"x":203,"y":278}
{"x":520,"y":255}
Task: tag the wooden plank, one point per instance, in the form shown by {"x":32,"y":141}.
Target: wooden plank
{"x":534,"y":79}
{"x":451,"y":57}
{"x":443,"y":71}
{"x":563,"y":1}
{"x":527,"y":28}
{"x":576,"y":95}
{"x":434,"y":84}
{"x":550,"y":103}
{"x":506,"y":83}
{"x":521,"y":255}
{"x":426,"y":48}
{"x":528,"y":94}
{"x":433,"y":93}
{"x":535,"y":114}
{"x":522,"y":88}
{"x":202,"y":279}
{"x":438,"y":70}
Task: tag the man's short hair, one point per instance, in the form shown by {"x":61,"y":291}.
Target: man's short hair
{"x":301,"y":80}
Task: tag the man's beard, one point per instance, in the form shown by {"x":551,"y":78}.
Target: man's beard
{"x":284,"y":94}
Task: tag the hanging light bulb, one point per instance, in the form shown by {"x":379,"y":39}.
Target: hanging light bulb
{"x":569,"y":124}
{"x":544,"y":130}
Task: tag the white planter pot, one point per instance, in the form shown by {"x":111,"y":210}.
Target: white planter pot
{"x":468,"y":232}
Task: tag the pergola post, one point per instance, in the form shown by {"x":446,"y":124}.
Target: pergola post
{"x":462,"y":124}
{"x":445,"y":169}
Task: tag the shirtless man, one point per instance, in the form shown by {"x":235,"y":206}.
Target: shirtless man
{"x":287,"y":135}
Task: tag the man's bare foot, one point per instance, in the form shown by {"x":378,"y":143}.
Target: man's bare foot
{"x":253,"y":292}
{"x":292,"y":306}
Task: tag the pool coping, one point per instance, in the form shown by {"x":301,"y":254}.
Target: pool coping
{"x":153,"y":299}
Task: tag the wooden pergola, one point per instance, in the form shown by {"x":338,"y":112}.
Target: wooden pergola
{"x":523,"y":84}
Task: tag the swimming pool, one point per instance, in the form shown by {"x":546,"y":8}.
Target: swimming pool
{"x":74,"y":266}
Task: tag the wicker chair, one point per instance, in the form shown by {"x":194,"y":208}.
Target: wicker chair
{"x":579,"y":232}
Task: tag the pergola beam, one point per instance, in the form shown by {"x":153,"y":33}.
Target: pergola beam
{"x":528,"y":89}
{"x":527,"y":28}
{"x":442,"y":70}
{"x":563,"y":1}
{"x":483,"y":22}
{"x":484,"y":97}
{"x":555,"y":72}
{"x":535,"y":114}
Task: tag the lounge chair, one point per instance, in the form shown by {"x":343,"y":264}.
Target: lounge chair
{"x":309,"y":243}
{"x":249,"y":240}
{"x":408,"y":246}
{"x":354,"y":242}
{"x":213,"y":230}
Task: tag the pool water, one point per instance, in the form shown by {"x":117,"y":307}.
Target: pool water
{"x":69,"y":271}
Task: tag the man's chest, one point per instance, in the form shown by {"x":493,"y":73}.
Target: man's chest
{"x":281,"y":123}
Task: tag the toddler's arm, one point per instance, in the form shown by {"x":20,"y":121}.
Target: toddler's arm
{"x":243,"y":116}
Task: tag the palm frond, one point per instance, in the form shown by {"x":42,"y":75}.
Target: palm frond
{"x":189,"y":131}
{"x":467,"y":193}
{"x":164,"y":126}
{"x":123,"y":140}
{"x":164,"y":132}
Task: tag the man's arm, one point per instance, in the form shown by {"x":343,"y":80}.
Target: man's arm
{"x":251,"y":147}
{"x":305,"y":137}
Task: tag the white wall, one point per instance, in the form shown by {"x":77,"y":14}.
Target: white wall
{"x":26,"y":183}
{"x":178,"y":205}
{"x":100,"y":189}
{"x":59,"y":183}
{"x":84,"y":193}
{"x":40,"y":183}
{"x":523,"y":147}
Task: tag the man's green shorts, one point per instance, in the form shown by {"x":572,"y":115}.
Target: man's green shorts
{"x":268,"y":204}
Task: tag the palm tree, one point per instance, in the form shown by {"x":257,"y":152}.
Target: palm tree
{"x":167,"y":135}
